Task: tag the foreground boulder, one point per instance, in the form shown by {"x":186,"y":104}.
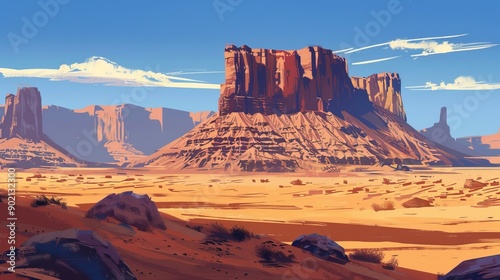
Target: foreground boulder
{"x":73,"y":254}
{"x":481,"y":268}
{"x":321,"y":246}
{"x":129,"y":208}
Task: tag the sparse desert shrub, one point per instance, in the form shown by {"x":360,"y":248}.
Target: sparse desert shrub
{"x":219,"y":232}
{"x":198,"y":228}
{"x":360,"y":169}
{"x":332,"y":169}
{"x":387,"y":205}
{"x":269,"y":254}
{"x":236,"y":233}
{"x":367,"y":255}
{"x":42,"y":200}
{"x":391,"y":264}
{"x":240,"y":233}
{"x":296,"y":182}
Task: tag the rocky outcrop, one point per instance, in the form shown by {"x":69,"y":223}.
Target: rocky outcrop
{"x":473,"y":184}
{"x":480,"y":268}
{"x":277,"y":81}
{"x":440,"y":131}
{"x":129,"y":208}
{"x":384,"y":90}
{"x":59,"y":254}
{"x":321,"y":246}
{"x":117,"y":134}
{"x":416,"y":203}
{"x":23,"y":115}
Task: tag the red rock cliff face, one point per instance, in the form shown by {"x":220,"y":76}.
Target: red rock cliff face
{"x":384,"y":90}
{"x":275,"y":81}
{"x":23,"y":115}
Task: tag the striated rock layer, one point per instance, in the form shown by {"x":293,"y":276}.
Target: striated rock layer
{"x":291,"y":142}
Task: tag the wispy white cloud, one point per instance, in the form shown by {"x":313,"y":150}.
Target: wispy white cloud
{"x":427,"y":46}
{"x":433,"y":47}
{"x":99,"y":70}
{"x":178,"y":73}
{"x":408,"y":40}
{"x":343,"y":50}
{"x":460,"y":83}
{"x":374,"y":60}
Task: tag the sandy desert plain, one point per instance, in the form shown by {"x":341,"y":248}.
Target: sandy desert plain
{"x":461,"y":223}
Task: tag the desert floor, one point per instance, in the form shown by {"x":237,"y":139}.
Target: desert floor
{"x":462,"y":224}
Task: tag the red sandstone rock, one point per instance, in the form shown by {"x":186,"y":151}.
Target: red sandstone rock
{"x":263,"y":125}
{"x":473,"y":184}
{"x":130,"y":208}
{"x":277,"y":81}
{"x":416,"y":203}
{"x":384,"y":90}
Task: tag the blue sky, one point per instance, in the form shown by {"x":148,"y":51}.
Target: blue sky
{"x":171,"y":36}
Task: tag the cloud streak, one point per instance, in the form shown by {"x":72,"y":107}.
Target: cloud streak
{"x":433,"y":47}
{"x":427,"y":46}
{"x":99,"y":70}
{"x":460,"y":83}
{"x":374,"y":60}
{"x":408,"y":40}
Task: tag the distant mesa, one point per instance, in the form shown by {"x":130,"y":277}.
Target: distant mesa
{"x":486,"y":145}
{"x":440,"y":133}
{"x":132,"y":209}
{"x":23,"y":143}
{"x":92,"y":136}
{"x":283,"y":111}
{"x":117,"y":134}
{"x":477,"y":146}
{"x":23,"y":115}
